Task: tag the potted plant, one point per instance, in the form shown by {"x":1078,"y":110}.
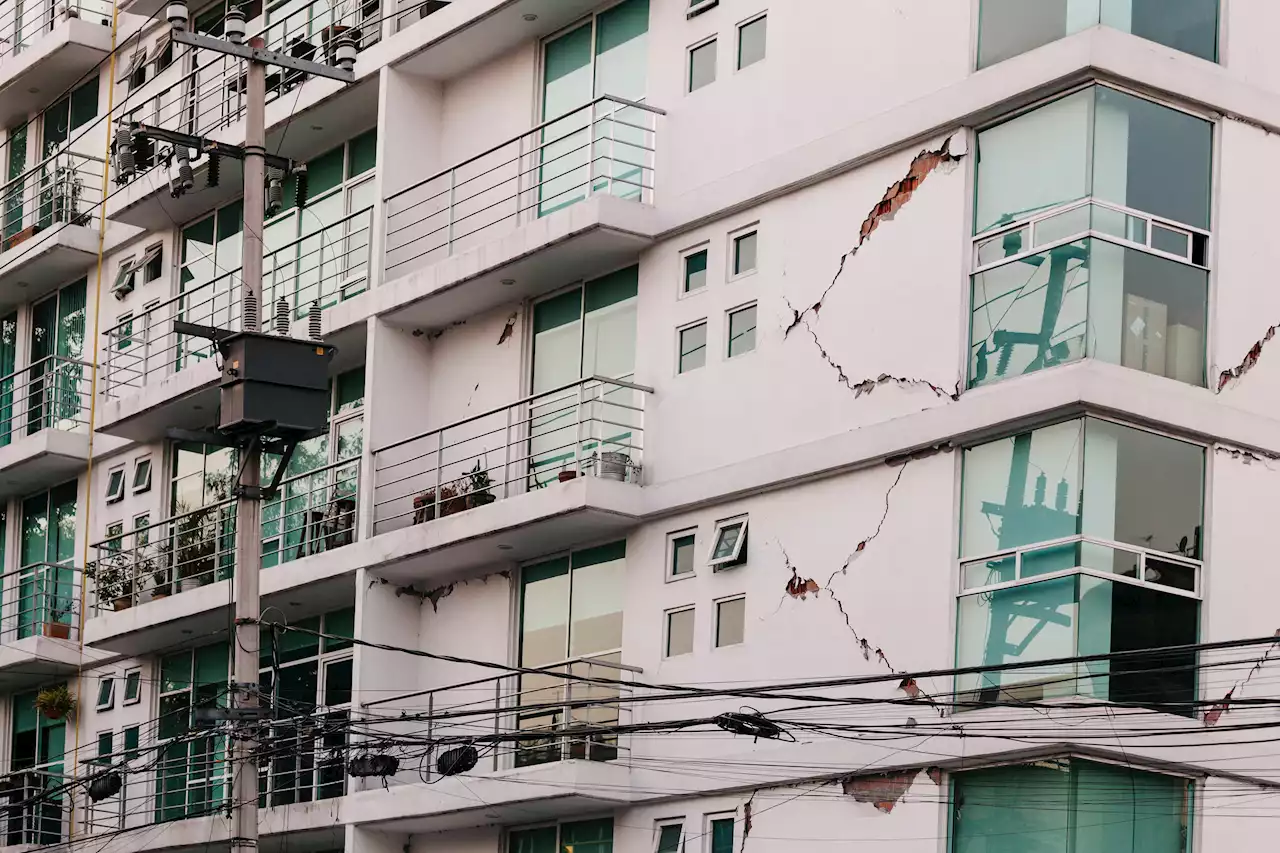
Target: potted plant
{"x":567,"y":474}
{"x":424,"y":505}
{"x":55,"y":702}
{"x":195,"y":551}
{"x":478,"y":485}
{"x":113,"y":580}
{"x":161,"y":571}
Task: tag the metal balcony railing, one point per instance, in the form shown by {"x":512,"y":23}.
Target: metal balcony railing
{"x":605,"y":147}
{"x":64,"y":188}
{"x":53,"y":393}
{"x":304,"y":759}
{"x":23,"y":23}
{"x":410,"y":13}
{"x":212,"y":97}
{"x":42,"y":599}
{"x":323,"y":266}
{"x":35,"y":807}
{"x":555,"y":717}
{"x":594,"y":426}
{"x":315,"y":511}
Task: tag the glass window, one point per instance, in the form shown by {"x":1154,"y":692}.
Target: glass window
{"x":142,"y":475}
{"x":729,"y":544}
{"x":679,"y":632}
{"x":697,"y":7}
{"x":693,"y":348}
{"x":721,"y":831}
{"x":132,"y":686}
{"x":744,"y":253}
{"x":115,"y":485}
{"x":131,"y":741}
{"x":751,"y":42}
{"x":1069,"y":804}
{"x":730,"y":621}
{"x":702,"y":65}
{"x":192,"y":771}
{"x":1007,"y":28}
{"x":106,"y":693}
{"x":695,"y":271}
{"x":742,"y":331}
{"x":588,"y":836}
{"x":669,"y":836}
{"x":104,"y":748}
{"x":682,"y":553}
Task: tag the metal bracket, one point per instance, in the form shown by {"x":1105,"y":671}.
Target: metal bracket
{"x":195,"y":330}
{"x":267,"y":492}
{"x":261,"y":54}
{"x":205,"y":145}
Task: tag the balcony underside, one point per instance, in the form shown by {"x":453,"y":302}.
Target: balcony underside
{"x":36,"y":462}
{"x":300,"y":828}
{"x":45,"y":262}
{"x":55,"y":62}
{"x":35,"y":660}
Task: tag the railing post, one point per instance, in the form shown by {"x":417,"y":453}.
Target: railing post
{"x":453,"y":181}
{"x":506,"y":458}
{"x":577,"y":432}
{"x":497,"y":715}
{"x":439,"y":472}
{"x":431,"y":705}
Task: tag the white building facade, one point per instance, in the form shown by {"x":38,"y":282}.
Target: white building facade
{"x":894,"y":372}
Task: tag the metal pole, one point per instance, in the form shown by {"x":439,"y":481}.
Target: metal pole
{"x":248,"y":563}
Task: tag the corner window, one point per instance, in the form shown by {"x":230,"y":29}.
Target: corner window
{"x":695,"y":271}
{"x":142,"y":475}
{"x":115,"y":485}
{"x":679,"y":632}
{"x":742,"y":331}
{"x":106,"y":693}
{"x":1098,"y":249}
{"x":1061,"y":801}
{"x":729,"y":544}
{"x":132,"y":687}
{"x":669,"y":837}
{"x":1077,"y":539}
{"x":680,"y":547}
{"x":744,"y":253}
{"x":1007,"y":28}
{"x":731,"y":621}
{"x":693,"y":347}
{"x":702,"y":65}
{"x":751,"y":42}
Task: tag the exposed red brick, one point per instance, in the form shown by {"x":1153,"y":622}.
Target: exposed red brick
{"x":883,"y":791}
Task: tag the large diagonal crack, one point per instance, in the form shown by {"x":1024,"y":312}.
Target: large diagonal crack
{"x":1215,"y":713}
{"x":1247,"y":363}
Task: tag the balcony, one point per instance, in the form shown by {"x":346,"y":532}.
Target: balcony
{"x":44,"y":424}
{"x":569,"y":199}
{"x":50,"y":226}
{"x":531,"y":477}
{"x":158,"y":583}
{"x":210,"y":102}
{"x":46,"y":47}
{"x":155,"y":377}
{"x":37,"y":807}
{"x":39,"y":626}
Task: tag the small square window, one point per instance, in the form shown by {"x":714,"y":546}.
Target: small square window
{"x":132,"y":736}
{"x":702,"y":65}
{"x":142,"y":532}
{"x":132,"y":687}
{"x":115,"y":485}
{"x":125,"y":278}
{"x":742,"y":331}
{"x":124,"y":332}
{"x":104,"y":748}
{"x":731,"y":620}
{"x":744,"y":253}
{"x":152,"y":263}
{"x":697,"y":7}
{"x":682,"y":553}
{"x":679,"y":632}
{"x":720,"y":831}
{"x":729,"y":544}
{"x":751,"y":42}
{"x":106,"y":693}
{"x":695,"y":271}
{"x":693,"y":347}
{"x":669,"y":837}
{"x":142,"y":475}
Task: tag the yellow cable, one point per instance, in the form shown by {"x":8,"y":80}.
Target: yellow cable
{"x":93,"y":394}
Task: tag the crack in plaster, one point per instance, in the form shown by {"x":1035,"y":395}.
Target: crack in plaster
{"x":435,"y":595}
{"x":1215,"y":713}
{"x":1247,"y":363}
{"x":884,"y":790}
{"x":1248,"y":457}
{"x":509,"y":329}
{"x":746,"y":819}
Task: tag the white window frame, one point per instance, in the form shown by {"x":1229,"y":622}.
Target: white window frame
{"x":670,"y":562}
{"x":737,"y":53}
{"x":715,"y":626}
{"x":666,"y":630}
{"x":714,"y":816}
{"x":108,"y":702}
{"x":151,"y":253}
{"x":663,"y":823}
{"x":734,"y":236}
{"x":688,"y":64}
{"x":125,"y":273}
{"x":150,"y":470}
{"x":115,"y":495}
{"x":681,"y":293}
{"x":697,"y":7}
{"x":680,"y":330}
{"x":130,"y":673}
{"x":728,"y":329}
{"x":720,"y":528}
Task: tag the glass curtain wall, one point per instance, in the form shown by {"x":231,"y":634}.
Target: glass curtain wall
{"x":192,"y":778}
{"x":202,"y":542}
{"x":53,"y":396}
{"x":46,"y":582}
{"x":38,"y":744}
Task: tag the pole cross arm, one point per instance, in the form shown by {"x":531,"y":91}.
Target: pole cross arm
{"x":261,"y":54}
{"x":205,"y":145}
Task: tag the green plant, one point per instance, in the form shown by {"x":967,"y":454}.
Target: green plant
{"x":55,"y":702}
{"x":477,"y":486}
{"x":161,"y":569}
{"x":112,"y":577}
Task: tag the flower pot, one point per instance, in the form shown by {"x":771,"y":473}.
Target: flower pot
{"x":57,"y":630}
{"x":613,"y":466}
{"x":156,"y":594}
{"x":53,"y":713}
{"x":476,"y":499}
{"x":124,"y":602}
{"x":566,"y":476}
{"x":188,"y":584}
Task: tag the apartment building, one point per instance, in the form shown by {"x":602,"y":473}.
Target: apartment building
{"x":892,"y":375}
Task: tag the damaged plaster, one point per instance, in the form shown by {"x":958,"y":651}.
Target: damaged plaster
{"x":435,"y":595}
{"x":509,"y":329}
{"x":1215,"y":713}
{"x":884,"y":791}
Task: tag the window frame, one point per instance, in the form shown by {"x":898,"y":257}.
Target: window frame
{"x":728,"y":325}
{"x":667,"y":654}
{"x":712,"y":42}
{"x":107,"y":684}
{"x":125,"y":282}
{"x":142,"y":463}
{"x":132,"y":675}
{"x":115,"y":493}
{"x":697,"y":7}
{"x":759,"y":16}
{"x":664,"y":823}
{"x":682,"y":277}
{"x":731,"y":273}
{"x":736,"y":557}
{"x":687,"y":327}
{"x":670,"y":575}
{"x":153,"y":253}
{"x":711,"y":818}
{"x":715,"y":628}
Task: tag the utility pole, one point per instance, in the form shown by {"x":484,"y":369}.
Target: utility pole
{"x":246,"y":712}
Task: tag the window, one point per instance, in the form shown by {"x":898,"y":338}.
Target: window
{"x":132,"y":687}
{"x":123,"y":331}
{"x":68,"y":115}
{"x":695,"y":271}
{"x":125,"y":278}
{"x":106,"y":693}
{"x":587,"y":836}
{"x":131,"y":741}
{"x":191,"y":776}
{"x":46,"y":582}
{"x":693,"y":347}
{"x":729,"y":544}
{"x":142,"y":533}
{"x":742,"y":331}
{"x":1007,"y":28}
{"x":744,"y":253}
{"x":702,"y":65}
{"x":1103,"y":252}
{"x":152,"y":263}
{"x":570,"y":607}
{"x":1080,"y":538}
{"x":681,"y":548}
{"x":669,"y":837}
{"x":115,"y":537}
{"x":104,"y":748}
{"x":679,"y":632}
{"x":697,"y":7}
{"x":751,"y":42}
{"x":720,"y":833}
{"x":115,"y":485}
{"x":1069,"y":804}
{"x":731,"y":619}
{"x":161,"y":55}
{"x":142,"y":475}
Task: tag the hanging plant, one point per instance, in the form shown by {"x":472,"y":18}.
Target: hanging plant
{"x":55,"y":702}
